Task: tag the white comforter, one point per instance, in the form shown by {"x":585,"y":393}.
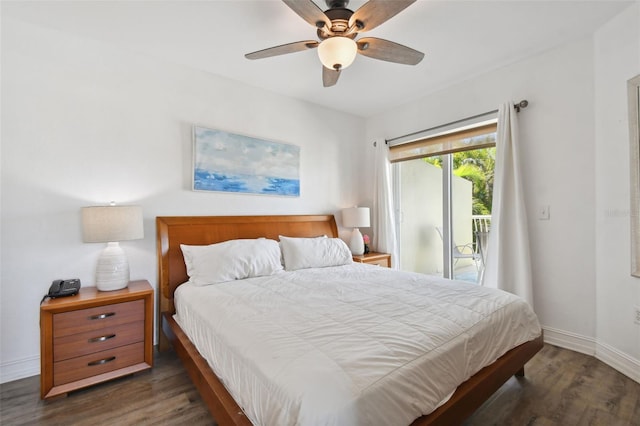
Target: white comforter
{"x":348,"y":345}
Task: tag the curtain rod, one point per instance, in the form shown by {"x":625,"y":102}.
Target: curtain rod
{"x":518,"y":106}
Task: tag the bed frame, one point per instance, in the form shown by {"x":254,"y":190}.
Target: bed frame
{"x":201,"y":230}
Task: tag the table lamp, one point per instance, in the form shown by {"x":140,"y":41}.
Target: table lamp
{"x":356,"y":217}
{"x":112,"y":224}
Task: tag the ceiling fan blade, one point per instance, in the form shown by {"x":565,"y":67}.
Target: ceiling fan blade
{"x":386,"y":50}
{"x":329,"y":76}
{"x":375,"y":12}
{"x":283,"y":49}
{"x":309,"y":11}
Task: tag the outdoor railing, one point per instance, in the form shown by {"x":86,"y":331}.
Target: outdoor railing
{"x":481,"y":223}
{"x":481,"y":228}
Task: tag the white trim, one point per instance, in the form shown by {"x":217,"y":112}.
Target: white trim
{"x":19,"y":369}
{"x":565,"y":339}
{"x":614,"y":358}
{"x":618,"y":360}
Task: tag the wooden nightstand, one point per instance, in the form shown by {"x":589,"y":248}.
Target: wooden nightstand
{"x":373,"y":258}
{"x":95,"y":336}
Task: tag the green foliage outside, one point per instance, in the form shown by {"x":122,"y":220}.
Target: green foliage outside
{"x":477,"y":166}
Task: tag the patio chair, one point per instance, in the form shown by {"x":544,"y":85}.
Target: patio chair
{"x":465,"y":251}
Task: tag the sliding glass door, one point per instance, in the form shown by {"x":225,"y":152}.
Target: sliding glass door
{"x":443,"y":203}
{"x":418,"y":196}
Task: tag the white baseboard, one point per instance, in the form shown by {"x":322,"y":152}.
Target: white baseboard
{"x":622,"y":362}
{"x":14,"y":370}
{"x":614,"y":358}
{"x":565,"y":339}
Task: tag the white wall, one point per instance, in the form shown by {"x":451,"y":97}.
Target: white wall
{"x":617,"y":59}
{"x":84,"y":124}
{"x":565,"y":161}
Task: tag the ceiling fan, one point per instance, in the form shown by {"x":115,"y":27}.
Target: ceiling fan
{"x":337,"y":28}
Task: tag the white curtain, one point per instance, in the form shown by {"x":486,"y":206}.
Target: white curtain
{"x":508,"y":264}
{"x":384,"y":231}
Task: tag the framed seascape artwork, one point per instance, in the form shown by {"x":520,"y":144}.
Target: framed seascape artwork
{"x":634,"y":153}
{"x":229,"y":162}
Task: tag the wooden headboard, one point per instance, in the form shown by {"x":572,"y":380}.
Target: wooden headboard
{"x":203,"y":230}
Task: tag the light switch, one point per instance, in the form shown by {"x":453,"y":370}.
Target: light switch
{"x":543,"y":212}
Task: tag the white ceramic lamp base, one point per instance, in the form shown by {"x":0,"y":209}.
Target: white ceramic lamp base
{"x":356,"y":245}
{"x":112,"y":272}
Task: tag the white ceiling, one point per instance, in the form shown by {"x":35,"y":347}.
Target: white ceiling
{"x":461,"y":39}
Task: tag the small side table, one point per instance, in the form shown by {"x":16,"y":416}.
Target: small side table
{"x":95,"y":336}
{"x":373,"y":258}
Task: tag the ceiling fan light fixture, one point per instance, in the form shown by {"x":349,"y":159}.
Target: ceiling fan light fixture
{"x":337,"y":52}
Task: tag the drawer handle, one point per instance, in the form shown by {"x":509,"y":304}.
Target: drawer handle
{"x":102,"y":338}
{"x":102,"y":316}
{"x":101,"y":361}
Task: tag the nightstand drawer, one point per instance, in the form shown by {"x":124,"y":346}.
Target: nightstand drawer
{"x":380,"y":262}
{"x":74,"y":345}
{"x":374,"y":258}
{"x":101,"y":317}
{"x":97,"y":363}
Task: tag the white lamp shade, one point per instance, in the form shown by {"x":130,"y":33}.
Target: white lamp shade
{"x":337,"y":52}
{"x":355,"y":217}
{"x":103,"y":224}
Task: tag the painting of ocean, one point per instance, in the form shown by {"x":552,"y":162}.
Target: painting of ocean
{"x":228,"y":162}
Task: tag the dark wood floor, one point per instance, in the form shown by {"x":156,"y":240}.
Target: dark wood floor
{"x":561,"y":387}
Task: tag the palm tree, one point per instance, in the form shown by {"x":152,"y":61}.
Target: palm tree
{"x":477,"y":166}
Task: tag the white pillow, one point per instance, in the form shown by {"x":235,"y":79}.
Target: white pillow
{"x":231,"y":260}
{"x":300,"y":253}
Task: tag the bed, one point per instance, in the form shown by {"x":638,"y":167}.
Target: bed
{"x":200,"y":231}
